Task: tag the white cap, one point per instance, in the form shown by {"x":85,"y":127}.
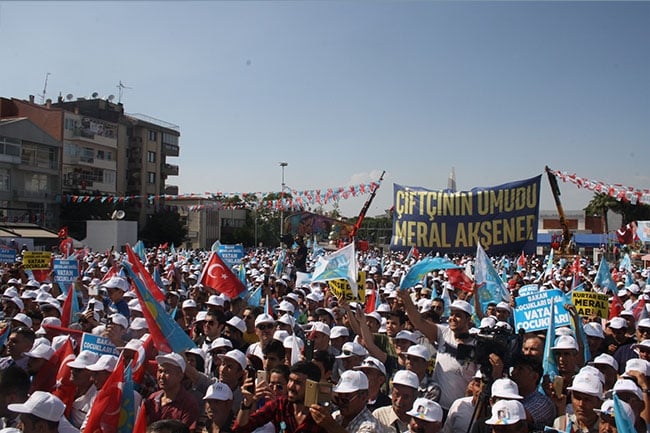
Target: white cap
{"x":426,"y":410}
{"x":286,"y":306}
{"x":280,"y":335}
{"x":116,"y":282}
{"x":419,"y":350}
{"x":138,"y":324}
{"x":375,"y":315}
{"x":42,"y":405}
{"x":84,"y":359}
{"x":507,"y":412}
{"x":372,"y":362}
{"x":565,"y":342}
{"x":104,"y":363}
{"x":407,"y":335}
{"x":119,"y":319}
{"x":605,"y":359}
{"x":593,"y":329}
{"x":221,"y":343}
{"x":189,"y":303}
{"x":218,"y":391}
{"x":627,"y":385}
{"x":637,"y":364}
{"x":587,"y":383}
{"x":461,"y":305}
{"x":352,"y":348}
{"x":42,"y":351}
{"x":505,"y":388}
{"x":236,"y":355}
{"x":351,"y":381}
{"x":172,"y":358}
{"x":617,"y":323}
{"x":339,"y":331}
{"x":406,"y":378}
{"x":287,"y":319}
{"x":237,"y":323}
{"x":215,"y":300}
{"x":607,"y":408}
{"x":264,"y":318}
{"x":320,"y":327}
{"x":504,"y":306}
{"x":24,"y":319}
{"x":291,"y":340}
{"x":134,"y":344}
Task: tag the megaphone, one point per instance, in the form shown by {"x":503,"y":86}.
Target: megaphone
{"x":118,"y":215}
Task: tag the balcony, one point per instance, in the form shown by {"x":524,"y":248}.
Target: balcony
{"x":171,"y":190}
{"x":170,"y":170}
{"x":171,"y":149}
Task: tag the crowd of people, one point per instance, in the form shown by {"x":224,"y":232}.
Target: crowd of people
{"x":301,"y":359}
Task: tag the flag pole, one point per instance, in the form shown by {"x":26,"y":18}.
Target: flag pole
{"x":365,"y":208}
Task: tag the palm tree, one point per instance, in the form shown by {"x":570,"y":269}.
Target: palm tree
{"x":600,"y":204}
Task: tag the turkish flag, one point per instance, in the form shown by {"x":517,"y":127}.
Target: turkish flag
{"x":64,"y":388}
{"x":218,"y":276}
{"x":459,"y":279}
{"x":63,"y":232}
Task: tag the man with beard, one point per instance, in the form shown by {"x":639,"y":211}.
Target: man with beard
{"x":172,"y":400}
{"x":402,"y":396}
{"x":454,"y":368}
{"x":426,"y":416}
{"x":288,"y":414}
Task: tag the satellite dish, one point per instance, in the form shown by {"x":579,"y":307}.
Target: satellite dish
{"x":69,"y":96}
{"x":120,"y":214}
{"x":110,"y":98}
{"x":95,"y":95}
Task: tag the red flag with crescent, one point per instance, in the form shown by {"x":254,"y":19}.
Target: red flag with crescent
{"x":217,"y":274}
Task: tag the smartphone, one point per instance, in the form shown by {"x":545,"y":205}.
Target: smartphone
{"x":309,"y":349}
{"x":318,"y":393}
{"x":260,"y":377}
{"x":558,"y":385}
{"x":250,"y":373}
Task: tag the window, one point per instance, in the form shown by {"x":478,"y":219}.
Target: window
{"x":169,"y":138}
{"x":109,"y":176}
{"x":105,"y":155}
{"x":151,"y":156}
{"x":87,"y":155}
{"x":151,"y":177}
{"x":39,"y":156}
{"x":4,"y":180}
{"x":10,"y":146}
{"x":153,"y":135}
{"x":69,"y":124}
{"x":36,"y":182}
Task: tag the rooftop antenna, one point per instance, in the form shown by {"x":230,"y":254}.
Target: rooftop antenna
{"x":121,"y":88}
{"x":42,"y":95}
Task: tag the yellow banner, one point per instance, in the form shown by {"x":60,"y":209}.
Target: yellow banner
{"x":590,"y":303}
{"x":37,"y":260}
{"x":341,"y":288}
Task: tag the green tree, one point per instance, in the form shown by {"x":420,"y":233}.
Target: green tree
{"x":164,"y":226}
{"x":601,"y":203}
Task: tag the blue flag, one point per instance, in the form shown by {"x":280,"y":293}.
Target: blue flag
{"x":492,"y":288}
{"x":423,"y":267}
{"x":167,"y":335}
{"x":604,"y":277}
{"x":339,"y":265}
{"x":139,"y":249}
{"x":626,"y":263}
{"x":255,"y":300}
{"x":548,"y":360}
{"x":623,"y":423}
{"x":127,"y":403}
{"x":549,"y":265}
{"x":279,"y":265}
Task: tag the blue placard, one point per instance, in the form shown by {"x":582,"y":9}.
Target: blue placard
{"x":231,"y":254}
{"x":98,"y":344}
{"x":66,"y":272}
{"x":528,"y":289}
{"x":7,"y":255}
{"x":533,"y":312}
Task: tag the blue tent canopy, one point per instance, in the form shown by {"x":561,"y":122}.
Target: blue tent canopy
{"x":581,"y":239}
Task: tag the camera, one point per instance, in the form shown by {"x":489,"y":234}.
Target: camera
{"x":499,"y":340}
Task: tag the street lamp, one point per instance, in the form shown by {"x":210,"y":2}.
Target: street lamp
{"x":282,"y":165}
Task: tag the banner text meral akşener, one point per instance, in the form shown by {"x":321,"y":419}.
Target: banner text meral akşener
{"x":502,"y":218}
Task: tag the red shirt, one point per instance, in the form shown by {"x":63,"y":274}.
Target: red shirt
{"x":183,"y":408}
{"x":280,"y":413}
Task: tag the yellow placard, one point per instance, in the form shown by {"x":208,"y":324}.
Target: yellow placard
{"x":37,"y":260}
{"x":590,"y":303}
{"x":341,"y":288}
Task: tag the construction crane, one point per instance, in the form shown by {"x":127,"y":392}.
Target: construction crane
{"x":564,"y":248}
{"x":42,"y":95}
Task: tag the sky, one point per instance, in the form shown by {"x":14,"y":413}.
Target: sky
{"x":342,"y":91}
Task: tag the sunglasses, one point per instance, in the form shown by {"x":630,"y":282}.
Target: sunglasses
{"x":343,"y":401}
{"x":265,"y":327}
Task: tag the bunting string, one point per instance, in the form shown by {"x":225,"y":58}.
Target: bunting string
{"x":617,"y":191}
{"x":298,"y":200}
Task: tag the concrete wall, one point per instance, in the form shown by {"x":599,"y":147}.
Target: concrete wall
{"x":102,"y":235}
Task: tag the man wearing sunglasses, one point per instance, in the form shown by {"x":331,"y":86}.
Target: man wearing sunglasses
{"x":264,"y":329}
{"x":350,"y":395}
